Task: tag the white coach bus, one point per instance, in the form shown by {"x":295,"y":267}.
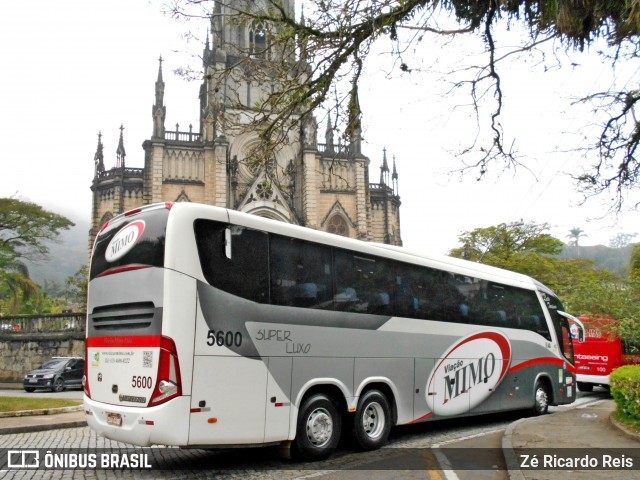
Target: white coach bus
{"x":208,"y":327}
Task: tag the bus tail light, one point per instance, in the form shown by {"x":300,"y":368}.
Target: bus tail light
{"x":85,"y":376}
{"x":168,"y":383}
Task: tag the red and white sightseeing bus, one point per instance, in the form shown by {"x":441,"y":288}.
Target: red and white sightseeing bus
{"x":600,"y":353}
{"x":209,"y":327}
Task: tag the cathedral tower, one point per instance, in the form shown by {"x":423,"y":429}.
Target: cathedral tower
{"x":319,"y":185}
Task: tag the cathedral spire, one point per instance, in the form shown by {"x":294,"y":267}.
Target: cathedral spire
{"x":120,"y":153}
{"x":98,"y":158}
{"x":384,"y":169}
{"x":355,"y":129}
{"x":159,"y":80}
{"x":159,"y":111}
{"x":328,"y":137}
{"x":394,"y":177}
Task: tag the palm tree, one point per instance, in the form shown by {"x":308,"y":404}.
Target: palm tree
{"x":574,"y":237}
{"x":19,"y":287}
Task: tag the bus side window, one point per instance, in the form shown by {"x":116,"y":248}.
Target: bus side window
{"x":363,"y":284}
{"x":245,"y":274}
{"x":300,"y":273}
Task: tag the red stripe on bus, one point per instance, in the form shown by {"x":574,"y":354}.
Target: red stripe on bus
{"x":539,"y":361}
{"x":124,"y":341}
{"x":424,"y":417}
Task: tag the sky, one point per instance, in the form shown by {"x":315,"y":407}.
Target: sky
{"x":71,"y":69}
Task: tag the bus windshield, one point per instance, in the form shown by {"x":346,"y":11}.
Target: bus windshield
{"x":130,"y":241}
{"x":560,"y":323}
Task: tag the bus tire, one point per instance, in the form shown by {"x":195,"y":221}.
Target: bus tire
{"x":585,"y":387}
{"x":318,"y":429}
{"x":541,"y":396}
{"x":372,"y":422}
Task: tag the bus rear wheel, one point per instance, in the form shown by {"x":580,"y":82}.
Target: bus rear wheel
{"x":318,"y":429}
{"x":372,"y":422}
{"x":541,"y":397}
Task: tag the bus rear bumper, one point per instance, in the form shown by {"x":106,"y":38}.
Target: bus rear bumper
{"x":144,"y":427}
{"x":595,"y":379}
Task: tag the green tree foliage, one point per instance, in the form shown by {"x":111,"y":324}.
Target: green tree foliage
{"x":24,"y":227}
{"x":628,"y":313}
{"x":634,"y":264}
{"x":515,"y":247}
{"x":322,"y":58}
{"x":531,"y":250}
{"x":16,"y":289}
{"x":75,"y":289}
{"x":583,"y":289}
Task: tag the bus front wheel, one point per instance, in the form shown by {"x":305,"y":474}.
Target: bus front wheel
{"x":541,"y":398}
{"x":372,"y":422}
{"x":318,"y":429}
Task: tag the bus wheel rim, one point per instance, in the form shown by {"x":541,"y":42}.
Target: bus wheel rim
{"x":541,"y":399}
{"x":319,"y":427}
{"x":373,"y":420}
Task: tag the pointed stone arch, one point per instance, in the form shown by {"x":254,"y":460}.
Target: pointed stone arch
{"x":338,"y":221}
{"x":183,"y":197}
{"x":265,"y":199}
{"x":105,"y":218}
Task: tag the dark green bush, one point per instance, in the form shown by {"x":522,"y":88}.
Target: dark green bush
{"x":625,"y":390}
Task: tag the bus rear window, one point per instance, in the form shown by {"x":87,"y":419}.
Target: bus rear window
{"x":130,"y":242}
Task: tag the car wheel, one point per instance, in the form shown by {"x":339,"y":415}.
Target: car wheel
{"x":372,"y":422}
{"x":541,"y":398}
{"x":29,"y":389}
{"x":318,"y":429}
{"x":58,"y":385}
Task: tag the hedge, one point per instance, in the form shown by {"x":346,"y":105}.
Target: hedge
{"x":625,"y":389}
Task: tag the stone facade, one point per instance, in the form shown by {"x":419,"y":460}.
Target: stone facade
{"x":324,"y":186}
{"x":20,"y":353}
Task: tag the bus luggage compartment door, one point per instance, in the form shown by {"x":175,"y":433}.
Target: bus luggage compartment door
{"x":228,"y":400}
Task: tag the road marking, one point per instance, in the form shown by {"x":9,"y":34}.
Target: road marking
{"x":443,"y":461}
{"x":468,"y":437}
{"x":433,"y":465}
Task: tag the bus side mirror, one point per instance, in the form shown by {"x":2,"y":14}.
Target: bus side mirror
{"x":574,"y":322}
{"x":227,"y":243}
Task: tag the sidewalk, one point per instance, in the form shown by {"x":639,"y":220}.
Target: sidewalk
{"x":67,"y":417}
{"x":585,"y":431}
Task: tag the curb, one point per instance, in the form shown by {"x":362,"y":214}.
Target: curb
{"x":513,"y":467}
{"x":41,"y":428}
{"x":623,"y":428}
{"x":42,"y":411}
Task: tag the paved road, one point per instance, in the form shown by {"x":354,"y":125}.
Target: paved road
{"x":73,"y":394}
{"x":408,"y":456}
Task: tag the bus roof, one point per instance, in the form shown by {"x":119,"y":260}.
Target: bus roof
{"x":442,"y":262}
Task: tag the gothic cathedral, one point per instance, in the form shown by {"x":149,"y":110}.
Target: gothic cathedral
{"x":323,"y":186}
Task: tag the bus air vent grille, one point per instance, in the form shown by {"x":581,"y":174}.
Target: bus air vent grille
{"x":123,"y":315}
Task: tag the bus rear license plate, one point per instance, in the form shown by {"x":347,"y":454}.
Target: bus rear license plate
{"x":114,"y":419}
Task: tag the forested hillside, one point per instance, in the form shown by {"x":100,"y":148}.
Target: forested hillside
{"x":66,"y":256}
{"x":615,"y":260}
